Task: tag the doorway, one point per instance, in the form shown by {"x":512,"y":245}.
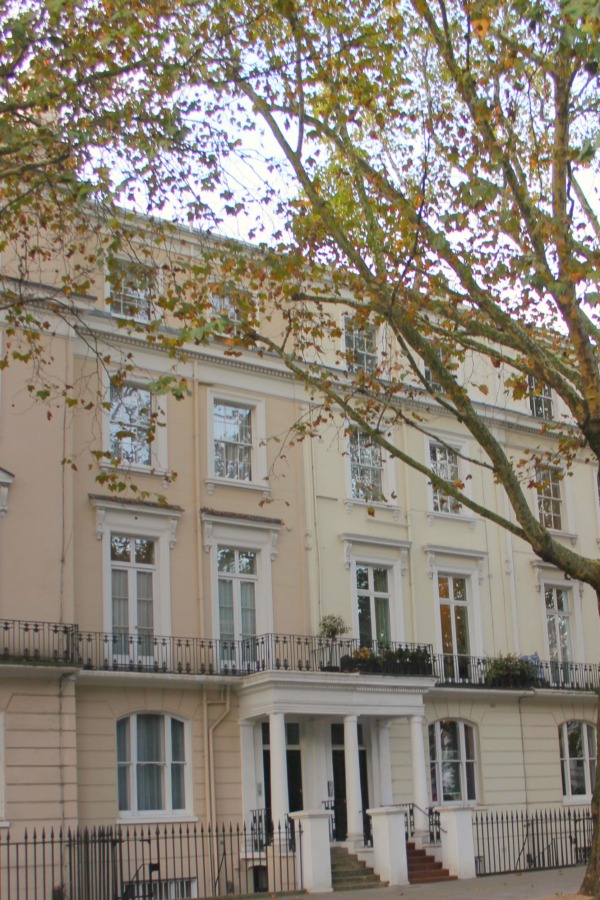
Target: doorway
{"x":340,"y":813}
{"x":294,"y":770}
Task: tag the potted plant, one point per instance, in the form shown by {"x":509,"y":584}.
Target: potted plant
{"x":330,"y":628}
{"x":510,"y":671}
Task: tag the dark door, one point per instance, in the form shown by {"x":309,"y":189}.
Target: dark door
{"x":340,"y":815}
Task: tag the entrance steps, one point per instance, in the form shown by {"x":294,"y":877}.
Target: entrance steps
{"x":349,"y":873}
{"x":423,"y":868}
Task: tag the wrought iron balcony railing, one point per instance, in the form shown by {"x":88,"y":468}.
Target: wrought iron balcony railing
{"x":56,"y":644}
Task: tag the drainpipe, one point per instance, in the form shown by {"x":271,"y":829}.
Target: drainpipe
{"x":209,"y":767}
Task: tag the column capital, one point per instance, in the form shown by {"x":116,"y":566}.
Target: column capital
{"x":350,"y":719}
{"x":417,"y":719}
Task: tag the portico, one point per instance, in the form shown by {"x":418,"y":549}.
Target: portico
{"x":331,"y":731}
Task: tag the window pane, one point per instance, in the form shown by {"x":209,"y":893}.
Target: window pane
{"x":130,"y":419}
{"x":177,"y":786}
{"x":248,"y":609}
{"x":177,"y":742}
{"x":123,"y":742}
{"x":150,"y":738}
{"x":577,"y":774}
{"x":460,"y":590}
{"x":362,"y":578}
{"x":446,"y":622}
{"x":443,"y":587}
{"x":247,"y":562}
{"x":462,"y":630}
{"x":382,"y":619}
{"x":449,"y":740}
{"x":145,"y":613}
{"x":226,"y":618}
{"x":150,"y":787}
{"x":380,"y":580}
{"x":226,"y":560}
{"x":451,"y":781}
{"x":144,"y":551}
{"x":120,"y":548}
{"x":365,"y":632}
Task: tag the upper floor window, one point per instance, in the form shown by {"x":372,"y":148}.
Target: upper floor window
{"x":444,"y":462}
{"x":225,"y":308}
{"x":373,"y":597}
{"x":549,"y":497}
{"x":453,"y":762}
{"x":366,"y":467}
{"x":454,"y":626}
{"x":132,"y":288}
{"x":232,"y":431}
{"x":428,"y":376}
{"x":558,"y":625}
{"x":151,"y":764}
{"x":577,"y":758}
{"x":238,"y":578}
{"x":361,"y":345}
{"x":131,"y":424}
{"x":133,"y":576}
{"x":540,"y":398}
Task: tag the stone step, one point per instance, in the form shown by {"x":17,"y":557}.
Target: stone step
{"x":348,"y":873}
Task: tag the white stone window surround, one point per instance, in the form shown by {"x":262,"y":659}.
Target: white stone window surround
{"x":259,"y":462}
{"x":547,"y":575}
{"x":388,"y":485}
{"x":147,"y":309}
{"x":461,"y":447}
{"x":462,"y":761}
{"x":259,"y":534}
{"x":371,"y":551}
{"x":164,"y":815}
{"x":139,"y":520}
{"x":158,"y":448}
{"x":459,"y":563}
{"x":566,"y":507}
{"x":570,"y":799}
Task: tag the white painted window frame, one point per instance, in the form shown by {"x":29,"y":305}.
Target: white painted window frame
{"x":259,"y":465}
{"x":137,"y":520}
{"x":167,"y":814}
{"x":243,"y":535}
{"x":158,"y":447}
{"x":460,"y":447}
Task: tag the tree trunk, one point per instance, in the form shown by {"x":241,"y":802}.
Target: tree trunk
{"x":591,"y":881}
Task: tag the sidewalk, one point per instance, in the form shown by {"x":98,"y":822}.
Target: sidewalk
{"x":525,"y":886}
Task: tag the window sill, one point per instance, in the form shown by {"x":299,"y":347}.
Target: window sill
{"x":351,"y":502}
{"x":565,"y":535}
{"x":156,"y":471}
{"x":452,"y":517}
{"x":149,"y":818}
{"x":579,"y":800}
{"x":212,"y":483}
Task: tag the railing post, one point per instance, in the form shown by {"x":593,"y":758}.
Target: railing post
{"x":313,"y":864}
{"x":389,"y":844}
{"x":458,"y":852}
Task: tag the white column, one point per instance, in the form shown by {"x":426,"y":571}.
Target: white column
{"x":419,"y":773}
{"x":386,"y":797}
{"x":389,"y":844}
{"x":458,"y":852}
{"x":353,"y":796}
{"x":314,"y":863}
{"x":249,"y":793}
{"x":280,"y":805}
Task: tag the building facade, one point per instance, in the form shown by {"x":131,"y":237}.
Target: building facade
{"x":161,"y":659}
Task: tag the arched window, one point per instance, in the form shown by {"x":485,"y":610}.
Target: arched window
{"x":151,"y":764}
{"x":577,"y":758}
{"x":453,"y":762}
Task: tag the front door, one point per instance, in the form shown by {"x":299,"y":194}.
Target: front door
{"x":294,"y":769}
{"x":340,"y":815}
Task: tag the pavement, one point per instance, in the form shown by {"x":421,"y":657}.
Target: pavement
{"x":521,"y":886}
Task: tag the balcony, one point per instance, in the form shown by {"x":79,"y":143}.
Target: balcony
{"x":35,"y":643}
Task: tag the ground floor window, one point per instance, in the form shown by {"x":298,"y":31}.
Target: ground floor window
{"x":151,"y":763}
{"x":452,"y":760}
{"x":577,"y":758}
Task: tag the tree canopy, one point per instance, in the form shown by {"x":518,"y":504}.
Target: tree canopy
{"x":440,"y":163}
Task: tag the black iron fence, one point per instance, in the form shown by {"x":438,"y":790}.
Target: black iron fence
{"x":543,"y":839}
{"x":153,"y":863}
{"x":516,"y":673}
{"x":50,"y":643}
